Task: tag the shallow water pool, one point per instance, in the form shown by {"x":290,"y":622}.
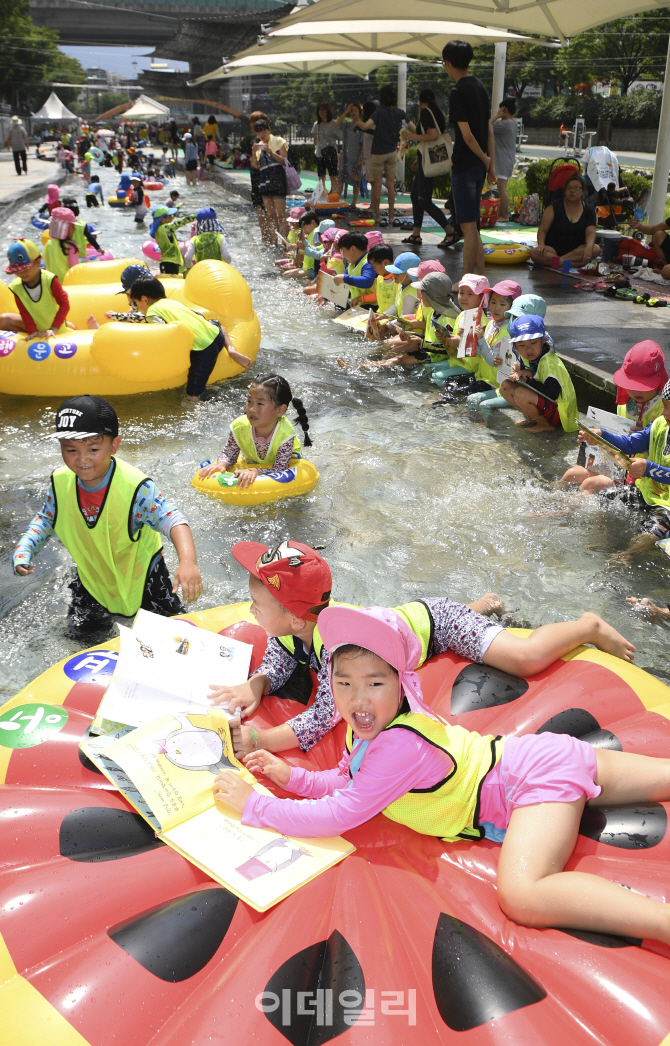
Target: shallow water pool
{"x":413,"y":499}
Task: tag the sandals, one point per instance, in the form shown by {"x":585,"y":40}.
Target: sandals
{"x":406,"y":223}
{"x":416,"y":241}
{"x":382,"y":223}
{"x":396,"y":222}
{"x":449,"y":241}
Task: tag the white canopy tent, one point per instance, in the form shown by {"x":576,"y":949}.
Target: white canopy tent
{"x":320,"y":60}
{"x":145,"y":108}
{"x":53,"y":109}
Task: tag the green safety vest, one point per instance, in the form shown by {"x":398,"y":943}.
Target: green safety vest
{"x":449,"y":810}
{"x":168,"y":247}
{"x":43,"y":311}
{"x":550,"y":366}
{"x":355,"y":292}
{"x":430,"y":336}
{"x":386,"y":292}
{"x":486,"y":371}
{"x":404,"y":290}
{"x":653,"y":492}
{"x":79,"y":237}
{"x":241,"y":429}
{"x":173,"y":311}
{"x":309,"y":264}
{"x":207,"y":245}
{"x":112,"y":564}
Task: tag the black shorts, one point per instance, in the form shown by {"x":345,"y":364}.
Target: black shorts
{"x":170,"y":268}
{"x":327,"y":162}
{"x":86,"y":614}
{"x":211,"y":158}
{"x":92,"y":200}
{"x":256,"y":198}
{"x":665,"y":248}
{"x":191,"y":165}
{"x":657,"y":518}
{"x":203,"y":362}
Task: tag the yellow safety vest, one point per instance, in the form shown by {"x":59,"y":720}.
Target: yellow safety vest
{"x":385,"y":289}
{"x":204,"y":332}
{"x":308,"y":263}
{"x":112,"y":564}
{"x":45,"y":310}
{"x":550,"y":366}
{"x":337,"y":264}
{"x":404,"y":290}
{"x":449,"y":810}
{"x":356,"y":270}
{"x":653,"y":492}
{"x":241,"y":429}
{"x":486,"y":371}
{"x":430,"y":337}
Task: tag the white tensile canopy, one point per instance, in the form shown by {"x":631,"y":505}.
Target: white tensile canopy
{"x":53,"y":109}
{"x":320,"y":60}
{"x":146,"y":108}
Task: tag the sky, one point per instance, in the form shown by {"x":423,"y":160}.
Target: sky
{"x":117,"y":59}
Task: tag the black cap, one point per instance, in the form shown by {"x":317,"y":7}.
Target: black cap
{"x":132,"y":273}
{"x":83,"y":416}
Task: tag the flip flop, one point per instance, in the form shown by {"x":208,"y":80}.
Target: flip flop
{"x":382,"y":223}
{"x":397,"y":222}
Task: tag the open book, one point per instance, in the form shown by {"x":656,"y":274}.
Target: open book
{"x":598,"y":459}
{"x":506,"y":352}
{"x":327,"y":288}
{"x":167,"y":665}
{"x":166,"y":770}
{"x":468,"y":343}
{"x":616,"y":455}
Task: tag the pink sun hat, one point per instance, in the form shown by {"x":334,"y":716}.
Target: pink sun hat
{"x":374,"y":238}
{"x":385,"y":633}
{"x":477,"y":284}
{"x":507,"y":289}
{"x":329,"y":235}
{"x":425,"y":267}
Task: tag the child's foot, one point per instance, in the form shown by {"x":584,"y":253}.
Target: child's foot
{"x":541,"y":426}
{"x":92,"y":323}
{"x":620,"y":559}
{"x":523,"y":421}
{"x":608,"y":639}
{"x":649,"y":610}
{"x":240,"y":358}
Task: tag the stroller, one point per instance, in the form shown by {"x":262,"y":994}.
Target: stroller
{"x":558,"y":176}
{"x":609,"y":197}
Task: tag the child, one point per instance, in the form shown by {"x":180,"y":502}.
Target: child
{"x":437,"y":306}
{"x":639,"y":383}
{"x":308,"y":223}
{"x":172,"y":200}
{"x":209,"y":337}
{"x":67,"y":244}
{"x":42,"y":303}
{"x":211,"y":152}
{"x":94,"y":193}
{"x":484,"y":364}
{"x":527,"y":792}
{"x":290,"y":585}
{"x":359,"y":274}
{"x":547,"y":397}
{"x":85,"y":166}
{"x":128,"y":277}
{"x":107,"y":514}
{"x":384,"y":287}
{"x":405,"y":301}
{"x":51,"y":200}
{"x":661,"y":243}
{"x":139,"y":204}
{"x":163,"y":230}
{"x":651,"y":475}
{"x":263,"y":435}
{"x":209,"y":240}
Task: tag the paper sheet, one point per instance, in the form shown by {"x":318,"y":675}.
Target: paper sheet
{"x":327,"y":288}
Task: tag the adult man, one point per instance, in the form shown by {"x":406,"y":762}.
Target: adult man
{"x":17,"y":141}
{"x":474,"y":151}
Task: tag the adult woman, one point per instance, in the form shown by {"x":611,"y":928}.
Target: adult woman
{"x":173,"y":137}
{"x":430,"y":125}
{"x":211,"y":127}
{"x":190,"y":159}
{"x":326,"y":132}
{"x":568,"y":228}
{"x":504,"y":133}
{"x":350,"y":170}
{"x":269,"y":156}
{"x":387,"y":120}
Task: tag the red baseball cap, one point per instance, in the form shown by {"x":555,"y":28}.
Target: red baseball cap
{"x":643,"y":370}
{"x":296,"y":575}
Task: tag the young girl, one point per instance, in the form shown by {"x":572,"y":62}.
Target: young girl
{"x":263,"y":435}
{"x":473,"y":292}
{"x":403,"y":760}
{"x":484,"y":364}
{"x":67,"y":245}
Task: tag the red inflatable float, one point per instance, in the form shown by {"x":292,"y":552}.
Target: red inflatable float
{"x":110,"y":938}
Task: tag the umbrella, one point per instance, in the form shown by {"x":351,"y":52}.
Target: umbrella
{"x":53,"y":109}
{"x":323,"y":61}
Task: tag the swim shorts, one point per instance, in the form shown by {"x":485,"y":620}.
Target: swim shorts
{"x":657,"y":518}
{"x":548,"y":410}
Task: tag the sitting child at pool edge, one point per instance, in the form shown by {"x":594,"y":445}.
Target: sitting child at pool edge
{"x":290,"y":585}
{"x":539,"y":385}
{"x":263,"y":435}
{"x":403,"y":760}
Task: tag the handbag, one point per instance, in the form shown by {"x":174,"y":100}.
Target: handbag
{"x":436,"y":155}
{"x":293,"y":182}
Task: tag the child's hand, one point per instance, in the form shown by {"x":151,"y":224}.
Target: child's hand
{"x":637,"y":468}
{"x":354,"y":302}
{"x":262,"y":762}
{"x":497,"y":361}
{"x":337,"y":280}
{"x":479,"y":332}
{"x":242,"y":739}
{"x":515,"y":373}
{"x":525,"y":375}
{"x":26,"y":568}
{"x":240,"y":698}
{"x":211,"y":470}
{"x":43,"y":335}
{"x":229,"y":788}
{"x":245,"y":477}
{"x":188,"y":576}
{"x":584,"y":437}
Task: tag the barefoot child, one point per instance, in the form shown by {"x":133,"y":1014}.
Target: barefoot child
{"x":308,"y":225}
{"x":487,"y":359}
{"x":67,"y":244}
{"x":163,"y":229}
{"x":473,"y":293}
{"x":547,"y":397}
{"x":40,"y":299}
{"x":401,"y":759}
{"x":406,"y":300}
{"x":290,"y":586}
{"x":209,"y":240}
{"x":359,"y":274}
{"x":437,"y":308}
{"x":263,"y":436}
{"x":92,"y":501}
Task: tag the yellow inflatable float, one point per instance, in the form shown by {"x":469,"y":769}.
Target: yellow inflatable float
{"x":506,"y":253}
{"x":299,"y":478}
{"x":123,"y":358}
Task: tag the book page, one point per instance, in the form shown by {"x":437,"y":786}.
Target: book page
{"x":505,"y":350}
{"x":597,"y":460}
{"x":355,"y":319}
{"x":603,"y":419}
{"x":167,"y":665}
{"x":256,"y":864}
{"x":337,"y":293}
{"x":467,"y":342}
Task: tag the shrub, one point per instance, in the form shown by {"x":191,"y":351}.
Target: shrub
{"x":537,"y":177}
{"x":636,"y":183}
{"x":640,"y":108}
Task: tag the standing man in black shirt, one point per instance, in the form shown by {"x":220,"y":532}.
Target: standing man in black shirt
{"x":474,"y":150}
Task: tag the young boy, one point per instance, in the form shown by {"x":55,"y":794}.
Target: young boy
{"x":209,"y":240}
{"x":128,"y":277}
{"x":291,"y":584}
{"x":163,"y":230}
{"x":172,"y":200}
{"x":308,"y":224}
{"x":359,"y":274}
{"x":384,"y":286}
{"x":209,"y":337}
{"x":41,"y":301}
{"x":539,"y":386}
{"x":94,"y":193}
{"x":108,"y":514}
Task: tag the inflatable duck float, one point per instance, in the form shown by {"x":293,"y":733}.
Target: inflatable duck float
{"x":124,"y":358}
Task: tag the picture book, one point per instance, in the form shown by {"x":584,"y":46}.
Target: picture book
{"x":167,"y":665}
{"x":327,"y":288}
{"x":617,"y":456}
{"x":355,"y":319}
{"x":506,"y":352}
{"x":468,"y":343}
{"x":166,"y":770}
{"x":597,"y":458}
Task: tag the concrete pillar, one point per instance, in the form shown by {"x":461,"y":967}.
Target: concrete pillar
{"x":659,"y":186}
{"x":498,"y":89}
{"x":402,"y":104}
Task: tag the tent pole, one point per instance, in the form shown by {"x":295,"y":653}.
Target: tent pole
{"x":402,"y":104}
{"x":498,"y":89}
{"x":659,"y":186}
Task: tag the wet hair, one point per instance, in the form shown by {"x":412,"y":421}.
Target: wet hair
{"x":458,"y":53}
{"x":261,"y":125}
{"x":352,"y":650}
{"x":353,"y":239}
{"x":329,"y":112}
{"x":307,"y":218}
{"x":280,"y":393}
{"x":380,"y":252}
{"x":147,"y":287}
{"x":388,"y":96}
{"x":575,"y":178}
{"x":509,"y":104}
{"x":428,"y":98}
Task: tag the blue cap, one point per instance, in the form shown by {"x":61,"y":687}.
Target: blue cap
{"x":206,"y":214}
{"x":404,"y":262}
{"x":525,"y":328}
{"x":530,"y":304}
{"x":132,"y":273}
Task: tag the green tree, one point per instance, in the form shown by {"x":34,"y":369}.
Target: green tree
{"x":31,"y":60}
{"x":625,"y":49}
